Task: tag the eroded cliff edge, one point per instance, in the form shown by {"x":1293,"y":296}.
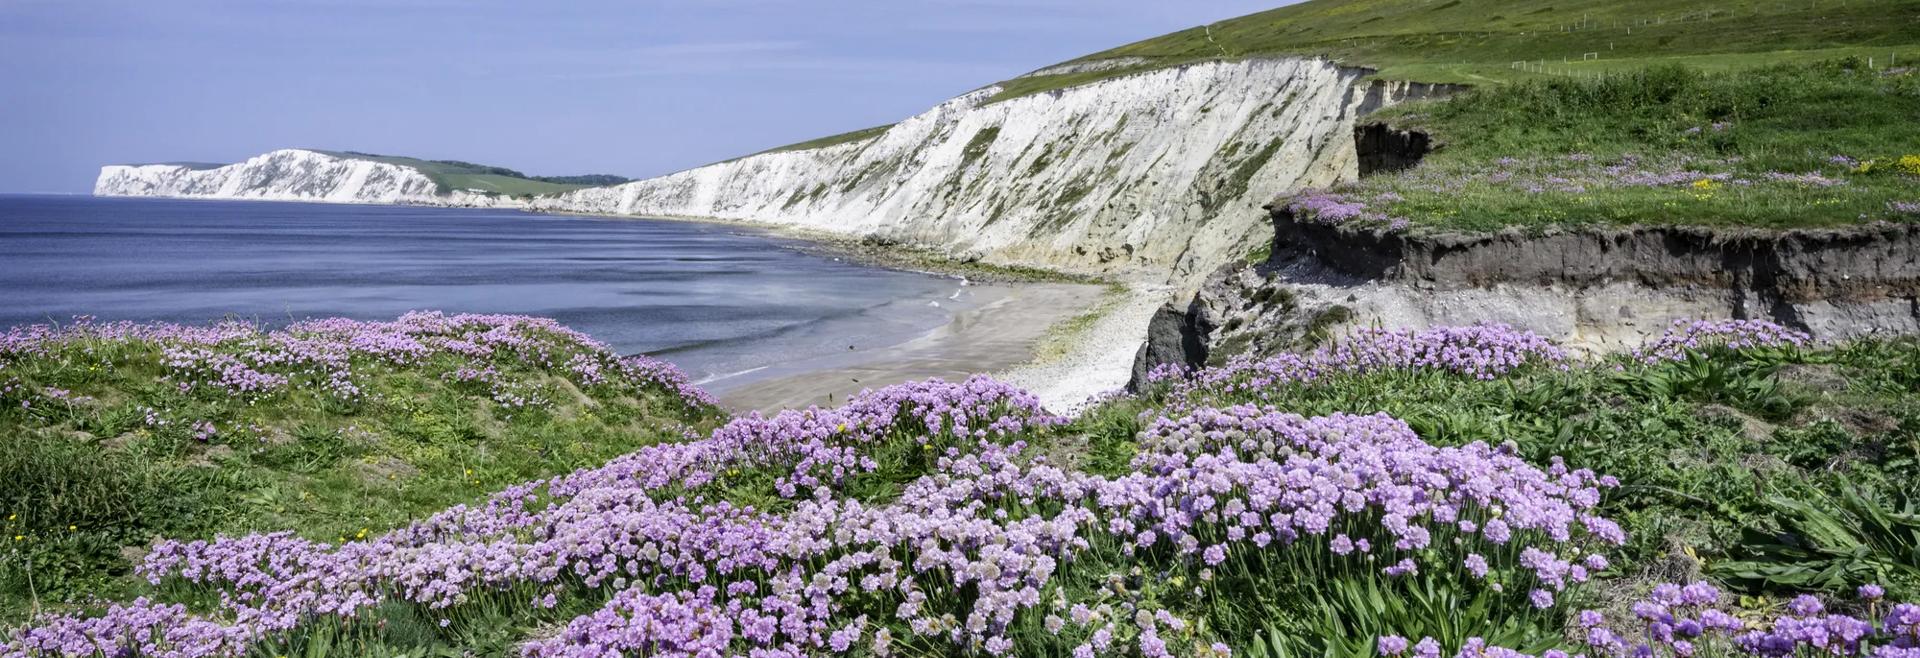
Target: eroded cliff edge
{"x":1602,"y":289}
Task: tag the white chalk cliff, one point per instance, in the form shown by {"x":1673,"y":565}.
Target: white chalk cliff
{"x":1159,"y":174}
{"x":288,"y":175}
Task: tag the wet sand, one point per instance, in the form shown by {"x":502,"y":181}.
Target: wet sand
{"x":1001,"y":329}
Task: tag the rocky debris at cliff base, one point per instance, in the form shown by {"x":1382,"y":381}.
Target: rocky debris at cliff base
{"x":1100,"y":359}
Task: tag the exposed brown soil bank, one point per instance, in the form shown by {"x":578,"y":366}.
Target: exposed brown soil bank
{"x":1599,"y":288}
{"x":1803,"y":265}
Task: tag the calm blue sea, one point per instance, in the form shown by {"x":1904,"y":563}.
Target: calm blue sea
{"x":713,"y":299}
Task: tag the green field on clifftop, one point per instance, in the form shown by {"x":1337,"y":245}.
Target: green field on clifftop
{"x":453,"y":175}
{"x":1491,"y":41}
{"x":1484,"y":42}
{"x":1787,"y":146}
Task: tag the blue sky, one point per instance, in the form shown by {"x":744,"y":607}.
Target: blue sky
{"x":637,"y":87}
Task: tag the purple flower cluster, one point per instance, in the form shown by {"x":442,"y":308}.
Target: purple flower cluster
{"x":39,"y":338}
{"x":1334,"y":209}
{"x":1695,"y":335}
{"x":1689,"y":621}
{"x":1809,"y":179}
{"x":1684,"y":621}
{"x":1347,"y":475}
{"x":161,"y":630}
{"x":950,"y":565}
{"x":1480,"y":351}
{"x":242,"y":360}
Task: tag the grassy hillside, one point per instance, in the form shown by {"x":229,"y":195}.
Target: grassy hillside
{"x":1490,"y":42}
{"x":333,"y":429}
{"x":1785,"y":146}
{"x":834,"y":140}
{"x":1471,"y":490}
{"x":458,"y":175}
{"x":1486,"y":41}
{"x":196,"y":166}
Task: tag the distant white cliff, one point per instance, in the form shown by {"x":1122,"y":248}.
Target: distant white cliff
{"x":1161,"y":173}
{"x":288,"y":175}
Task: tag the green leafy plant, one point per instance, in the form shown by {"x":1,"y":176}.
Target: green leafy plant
{"x":1833,"y":543}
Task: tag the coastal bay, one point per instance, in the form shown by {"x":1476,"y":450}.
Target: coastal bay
{"x":748,"y":314}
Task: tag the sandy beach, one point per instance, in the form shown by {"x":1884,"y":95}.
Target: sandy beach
{"x":1099,"y":356}
{"x":1001,"y":330}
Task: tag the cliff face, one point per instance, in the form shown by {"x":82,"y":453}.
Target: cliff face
{"x":287,"y":175}
{"x":1604,"y":289}
{"x":1157,"y":175}
{"x":1160,"y":174}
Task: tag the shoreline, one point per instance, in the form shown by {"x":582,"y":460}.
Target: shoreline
{"x":898,"y":256}
{"x":1095,"y":352}
{"x":1065,"y":337}
{"x":1004,"y":332}
{"x":1082,"y":348}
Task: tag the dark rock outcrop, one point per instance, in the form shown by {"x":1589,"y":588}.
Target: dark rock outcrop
{"x":1383,"y":148}
{"x":1173,"y":336}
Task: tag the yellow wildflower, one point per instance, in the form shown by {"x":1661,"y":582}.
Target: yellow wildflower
{"x":1910,"y":164}
{"x":1706,"y":184}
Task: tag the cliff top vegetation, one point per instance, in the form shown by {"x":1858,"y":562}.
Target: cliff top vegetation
{"x":1784,"y":146}
{"x":1494,"y":41}
{"x":453,"y":175}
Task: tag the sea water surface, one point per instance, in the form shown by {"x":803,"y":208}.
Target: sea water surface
{"x":721,"y":302}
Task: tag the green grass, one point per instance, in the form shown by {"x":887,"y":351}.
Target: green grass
{"x":832,"y":140}
{"x":1748,"y":148}
{"x":1480,"y":42}
{"x":1061,"y":338}
{"x":87,"y":482}
{"x":196,"y":166}
{"x":1484,"y":42}
{"x":452,"y":175}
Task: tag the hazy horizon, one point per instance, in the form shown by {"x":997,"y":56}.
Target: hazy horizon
{"x":635,"y":89}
